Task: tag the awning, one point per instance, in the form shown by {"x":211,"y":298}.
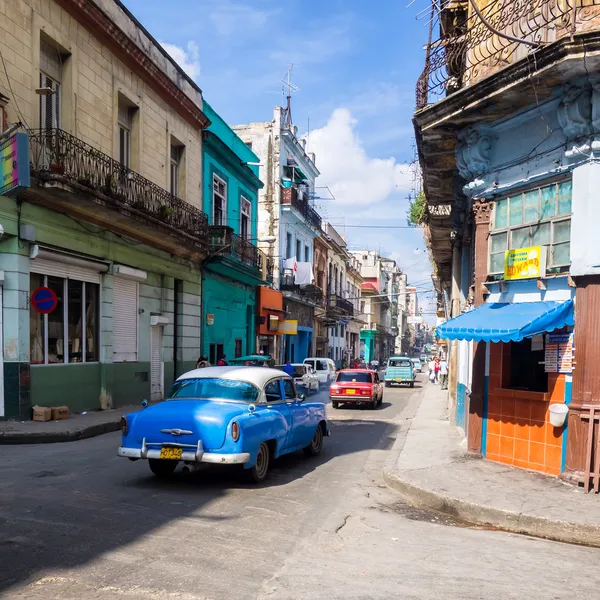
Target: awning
{"x":500,"y":322}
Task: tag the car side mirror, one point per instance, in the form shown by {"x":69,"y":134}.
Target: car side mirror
{"x":301,"y":398}
{"x":144,"y":403}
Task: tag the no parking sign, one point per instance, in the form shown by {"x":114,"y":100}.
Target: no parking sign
{"x":44,"y":300}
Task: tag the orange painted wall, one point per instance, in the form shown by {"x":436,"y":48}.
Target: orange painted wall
{"x":519,"y":432}
{"x":269,"y":299}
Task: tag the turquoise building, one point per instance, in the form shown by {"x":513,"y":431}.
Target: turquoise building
{"x":235,"y":266}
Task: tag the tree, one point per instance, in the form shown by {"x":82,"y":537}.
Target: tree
{"x":416,"y":210}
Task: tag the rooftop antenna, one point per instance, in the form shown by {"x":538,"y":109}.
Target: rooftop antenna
{"x":287,"y":83}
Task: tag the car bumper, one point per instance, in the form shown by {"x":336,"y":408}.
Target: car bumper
{"x":190,"y":454}
{"x":399,"y":380}
{"x":353,"y":399}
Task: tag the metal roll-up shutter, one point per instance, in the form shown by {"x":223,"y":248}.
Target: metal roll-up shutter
{"x":55,"y":268}
{"x":125,"y":320}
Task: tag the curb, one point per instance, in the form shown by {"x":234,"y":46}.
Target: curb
{"x":59,"y":436}
{"x":483,"y":515}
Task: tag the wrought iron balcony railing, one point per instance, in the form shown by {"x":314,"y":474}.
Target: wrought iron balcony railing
{"x":312,"y":293}
{"x":223,"y":240}
{"x":54,"y":151}
{"x":291,"y":197}
{"x":340,"y":304}
{"x":468,"y":50}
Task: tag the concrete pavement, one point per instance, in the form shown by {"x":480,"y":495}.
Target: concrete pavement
{"x":80,"y":523}
{"x":76,"y":427}
{"x":429,"y":466}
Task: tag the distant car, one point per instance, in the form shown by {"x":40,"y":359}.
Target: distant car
{"x":423,"y":358}
{"x":417,"y":366}
{"x":225,"y":415}
{"x":304,"y":377}
{"x":253,"y":360}
{"x":399,"y":370}
{"x":324,"y":369}
{"x":357,"y":386}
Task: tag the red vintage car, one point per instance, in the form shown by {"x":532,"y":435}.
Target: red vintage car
{"x":356,"y":386}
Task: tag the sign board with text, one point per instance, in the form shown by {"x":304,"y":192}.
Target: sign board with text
{"x":559,"y":353}
{"x":525,"y":263}
{"x":14,"y":164}
{"x":288,"y":327}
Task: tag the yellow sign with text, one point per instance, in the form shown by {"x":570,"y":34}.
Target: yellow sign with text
{"x":525,"y":263}
{"x":288,"y":327}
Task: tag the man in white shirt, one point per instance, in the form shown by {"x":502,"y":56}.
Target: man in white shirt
{"x":443,"y":374}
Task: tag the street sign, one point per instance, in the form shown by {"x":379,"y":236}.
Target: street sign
{"x":14,"y":164}
{"x":525,"y":263}
{"x":44,"y":300}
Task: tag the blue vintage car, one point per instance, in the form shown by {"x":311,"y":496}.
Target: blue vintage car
{"x":225,"y":415}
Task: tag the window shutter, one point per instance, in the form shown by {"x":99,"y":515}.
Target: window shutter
{"x":125,"y":320}
{"x":55,"y":268}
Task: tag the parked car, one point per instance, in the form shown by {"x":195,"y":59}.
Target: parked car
{"x":304,"y":377}
{"x":424,"y":359}
{"x":357,"y":386}
{"x":324,"y":368}
{"x":417,"y":366}
{"x":225,"y":415}
{"x":399,"y":370}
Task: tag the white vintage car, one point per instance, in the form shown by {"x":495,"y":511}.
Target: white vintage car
{"x":304,"y":377}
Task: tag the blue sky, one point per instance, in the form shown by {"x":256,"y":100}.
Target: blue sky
{"x":355,"y":67}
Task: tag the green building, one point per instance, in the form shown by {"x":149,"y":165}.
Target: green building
{"x":235,"y":266}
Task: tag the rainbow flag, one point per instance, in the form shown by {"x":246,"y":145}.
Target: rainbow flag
{"x":14,"y":164}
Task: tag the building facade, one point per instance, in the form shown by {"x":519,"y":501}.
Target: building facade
{"x":110,"y":225}
{"x":510,"y":225}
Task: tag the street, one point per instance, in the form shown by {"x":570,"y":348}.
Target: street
{"x":78,"y":522}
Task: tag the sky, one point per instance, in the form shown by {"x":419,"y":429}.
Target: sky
{"x":355,"y":66}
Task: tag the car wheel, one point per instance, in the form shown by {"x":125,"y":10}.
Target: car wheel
{"x":162,"y":468}
{"x":412,"y":384}
{"x":374,"y":403}
{"x":387,"y":384}
{"x":380,"y":400}
{"x":335,"y":404}
{"x":316,"y":444}
{"x":258,"y":472}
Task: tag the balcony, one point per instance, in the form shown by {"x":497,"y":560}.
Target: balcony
{"x":469,"y":51}
{"x":310,"y":293}
{"x":291,"y":197}
{"x":78,"y":179}
{"x":337,"y":304}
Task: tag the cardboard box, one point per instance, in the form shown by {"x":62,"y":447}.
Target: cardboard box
{"x":60,"y":412}
{"x":42,"y":413}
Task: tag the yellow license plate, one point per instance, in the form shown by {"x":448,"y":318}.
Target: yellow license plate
{"x":350,"y":391}
{"x":398,"y":378}
{"x":171,"y":453}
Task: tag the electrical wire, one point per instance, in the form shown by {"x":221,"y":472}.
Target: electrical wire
{"x":23,"y":119}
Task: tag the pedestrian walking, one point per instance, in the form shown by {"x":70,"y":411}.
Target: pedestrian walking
{"x":202,"y":363}
{"x":443,"y":374}
{"x":431,"y":367}
{"x":288,"y":368}
{"x":436,"y":368}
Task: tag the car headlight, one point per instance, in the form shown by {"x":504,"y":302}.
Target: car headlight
{"x":124,"y":426}
{"x":235,"y":431}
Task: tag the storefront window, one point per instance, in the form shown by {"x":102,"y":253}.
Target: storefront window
{"x":527,"y":371}
{"x":538,"y":217}
{"x":77,"y":308}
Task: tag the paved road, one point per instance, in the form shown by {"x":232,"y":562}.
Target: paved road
{"x":79,"y":523}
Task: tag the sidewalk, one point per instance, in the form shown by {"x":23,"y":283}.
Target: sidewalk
{"x":76,"y":427}
{"x":429,"y":466}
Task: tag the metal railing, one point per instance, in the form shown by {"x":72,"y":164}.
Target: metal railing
{"x":341,"y":304}
{"x":223,"y":240}
{"x":312,"y":293}
{"x":469,"y":50}
{"x":291,"y":197}
{"x":56,"y":152}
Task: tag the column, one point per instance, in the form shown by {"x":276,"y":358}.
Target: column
{"x":454,"y":312}
{"x":481,"y":212}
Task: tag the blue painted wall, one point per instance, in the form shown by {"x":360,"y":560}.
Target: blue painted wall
{"x":297,"y":347}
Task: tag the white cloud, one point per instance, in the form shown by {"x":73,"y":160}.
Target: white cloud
{"x":354,"y":178}
{"x":187,"y":58}
{"x":231,"y":18}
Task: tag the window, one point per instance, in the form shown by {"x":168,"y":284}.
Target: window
{"x":538,"y":217}
{"x":207,"y":388}
{"x":51,"y":62}
{"x":288,"y":245}
{"x":216,"y":351}
{"x":288,"y":389}
{"x":125,"y":320}
{"x":75,"y":320}
{"x":527,"y":369}
{"x":245,"y":218}
{"x":249,"y":144}
{"x":219,"y":201}
{"x":125,"y":129}
{"x":175,"y":169}
{"x":298,"y":250}
{"x":362,"y":307}
{"x":306,"y":254}
{"x":273,"y":391}
{"x":238,"y":348}
{"x":354,"y":377}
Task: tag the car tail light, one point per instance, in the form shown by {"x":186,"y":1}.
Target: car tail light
{"x":334,"y":388}
{"x":235,"y":431}
{"x":365,"y":392}
{"x":124,"y":426}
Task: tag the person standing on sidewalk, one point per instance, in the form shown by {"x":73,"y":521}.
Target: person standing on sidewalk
{"x":443,"y":374}
{"x":436,"y":369}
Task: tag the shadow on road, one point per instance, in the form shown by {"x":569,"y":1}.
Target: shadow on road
{"x":65,"y":505}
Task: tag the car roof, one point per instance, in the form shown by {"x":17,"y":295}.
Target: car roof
{"x":262,"y":357}
{"x":255,"y":375}
{"x":356,"y":371}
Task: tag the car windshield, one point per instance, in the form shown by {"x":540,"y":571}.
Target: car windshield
{"x":399,"y":363}
{"x":208,"y":388}
{"x":354,"y":377}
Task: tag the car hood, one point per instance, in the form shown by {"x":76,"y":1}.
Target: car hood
{"x":207,"y":420}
